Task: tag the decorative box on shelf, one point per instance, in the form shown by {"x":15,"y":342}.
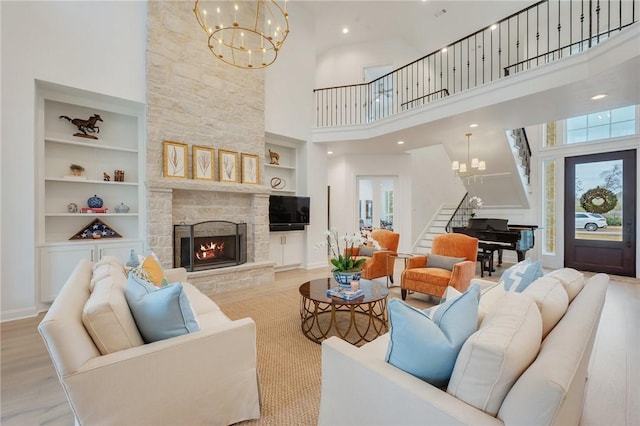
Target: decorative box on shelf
{"x":94,"y":210}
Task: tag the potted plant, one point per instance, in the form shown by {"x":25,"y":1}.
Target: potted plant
{"x":475,"y":202}
{"x":346,"y":267}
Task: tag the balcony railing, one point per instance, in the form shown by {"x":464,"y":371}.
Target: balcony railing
{"x":542,"y":33}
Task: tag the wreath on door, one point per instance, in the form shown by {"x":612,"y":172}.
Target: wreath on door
{"x":598,"y":200}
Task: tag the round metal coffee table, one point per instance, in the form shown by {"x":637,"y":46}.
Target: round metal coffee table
{"x":357,"y":321}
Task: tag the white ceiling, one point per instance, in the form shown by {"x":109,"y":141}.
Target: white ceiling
{"x":424,"y":25}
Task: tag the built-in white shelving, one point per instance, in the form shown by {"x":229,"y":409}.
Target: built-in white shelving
{"x":119,"y":146}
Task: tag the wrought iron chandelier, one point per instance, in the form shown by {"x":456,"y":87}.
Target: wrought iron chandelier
{"x":474,"y":164}
{"x":244,"y":33}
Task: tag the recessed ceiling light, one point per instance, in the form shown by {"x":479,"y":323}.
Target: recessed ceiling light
{"x":444,"y":50}
{"x":493,"y":27}
{"x":400,"y":142}
{"x":473,"y":125}
{"x":345,"y":30}
{"x":600,"y":96}
{"x":329,"y":152}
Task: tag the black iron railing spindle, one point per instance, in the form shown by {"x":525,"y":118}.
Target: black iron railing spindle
{"x":440,"y":73}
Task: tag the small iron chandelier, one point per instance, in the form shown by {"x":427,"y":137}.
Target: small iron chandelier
{"x":462,"y":169}
{"x":243,"y":33}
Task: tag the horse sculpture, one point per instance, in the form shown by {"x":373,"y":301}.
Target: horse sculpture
{"x":85,"y":126}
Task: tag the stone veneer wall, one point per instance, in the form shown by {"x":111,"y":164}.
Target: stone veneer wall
{"x":196,"y":99}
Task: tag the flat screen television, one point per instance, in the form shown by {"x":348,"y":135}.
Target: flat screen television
{"x":288,"y":212}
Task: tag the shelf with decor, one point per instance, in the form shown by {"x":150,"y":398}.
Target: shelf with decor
{"x":281,"y":177}
{"x":80,"y":165}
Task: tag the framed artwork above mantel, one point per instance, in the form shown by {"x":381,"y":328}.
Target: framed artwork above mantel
{"x":174,"y":159}
{"x":227,"y":166}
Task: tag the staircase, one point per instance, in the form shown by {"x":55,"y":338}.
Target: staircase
{"x":436,"y":226}
{"x":522,"y":152}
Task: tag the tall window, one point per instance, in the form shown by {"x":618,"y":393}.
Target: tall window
{"x":549,"y":206}
{"x":602,"y":125}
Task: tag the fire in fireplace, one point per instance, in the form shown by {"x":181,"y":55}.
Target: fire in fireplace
{"x":210,"y":250}
{"x":209,"y":245}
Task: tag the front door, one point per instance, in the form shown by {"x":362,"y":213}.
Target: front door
{"x":600,"y":213}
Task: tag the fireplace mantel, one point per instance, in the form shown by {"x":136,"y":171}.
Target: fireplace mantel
{"x":197,"y":185}
{"x":172,"y":201}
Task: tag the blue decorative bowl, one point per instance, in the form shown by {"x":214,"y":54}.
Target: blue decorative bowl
{"x":345,"y":278}
{"x":94,"y":202}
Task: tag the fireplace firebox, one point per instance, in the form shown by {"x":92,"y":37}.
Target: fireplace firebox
{"x":209,"y":245}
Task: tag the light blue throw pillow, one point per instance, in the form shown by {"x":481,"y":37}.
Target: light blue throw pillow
{"x":519,"y":276}
{"x":428,"y":348}
{"x":160,"y":312}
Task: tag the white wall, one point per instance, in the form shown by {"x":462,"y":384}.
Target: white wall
{"x":289,"y":112}
{"x":97,"y":46}
{"x":434,"y":184}
{"x":344,"y":65}
{"x":342,"y":176}
{"x":289,"y":82}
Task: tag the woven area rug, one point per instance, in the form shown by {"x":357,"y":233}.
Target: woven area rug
{"x":289,"y":364}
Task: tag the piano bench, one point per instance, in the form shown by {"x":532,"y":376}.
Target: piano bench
{"x":485,"y":257}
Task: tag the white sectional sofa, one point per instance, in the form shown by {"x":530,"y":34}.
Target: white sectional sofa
{"x":111,"y":377}
{"x":360,"y":388}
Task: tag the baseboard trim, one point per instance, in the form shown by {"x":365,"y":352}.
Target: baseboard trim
{"x":16,"y":314}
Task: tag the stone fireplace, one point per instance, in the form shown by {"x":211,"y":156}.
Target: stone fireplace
{"x":195,"y":99}
{"x":209,"y":245}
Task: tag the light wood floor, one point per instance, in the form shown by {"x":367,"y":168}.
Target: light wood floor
{"x":31,"y":394}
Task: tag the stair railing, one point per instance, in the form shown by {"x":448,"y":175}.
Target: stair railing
{"x":462,"y":214}
{"x":543,"y":32}
{"x":521,"y":143}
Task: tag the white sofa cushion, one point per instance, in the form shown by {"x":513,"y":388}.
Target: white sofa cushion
{"x":200,"y":303}
{"x":552,"y":301}
{"x":493,"y":358}
{"x":107,"y":260}
{"x":107,"y":317}
{"x":104,"y":270}
{"x":489,"y":297}
{"x":571,"y":280}
{"x":212,"y":319}
{"x":428,"y":348}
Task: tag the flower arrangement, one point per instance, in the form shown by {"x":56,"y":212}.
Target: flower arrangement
{"x":344,"y":260}
{"x":475,"y":202}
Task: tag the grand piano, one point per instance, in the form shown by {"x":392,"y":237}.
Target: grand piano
{"x":497,"y":235}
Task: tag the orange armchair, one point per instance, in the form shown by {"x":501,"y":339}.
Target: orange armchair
{"x":421,"y":277}
{"x":376,"y":265}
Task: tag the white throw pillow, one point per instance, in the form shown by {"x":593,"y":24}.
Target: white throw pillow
{"x":552,"y":301}
{"x":571,"y":280}
{"x":492,"y":358}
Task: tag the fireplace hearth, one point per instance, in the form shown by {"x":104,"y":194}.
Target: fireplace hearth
{"x":209,"y":245}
